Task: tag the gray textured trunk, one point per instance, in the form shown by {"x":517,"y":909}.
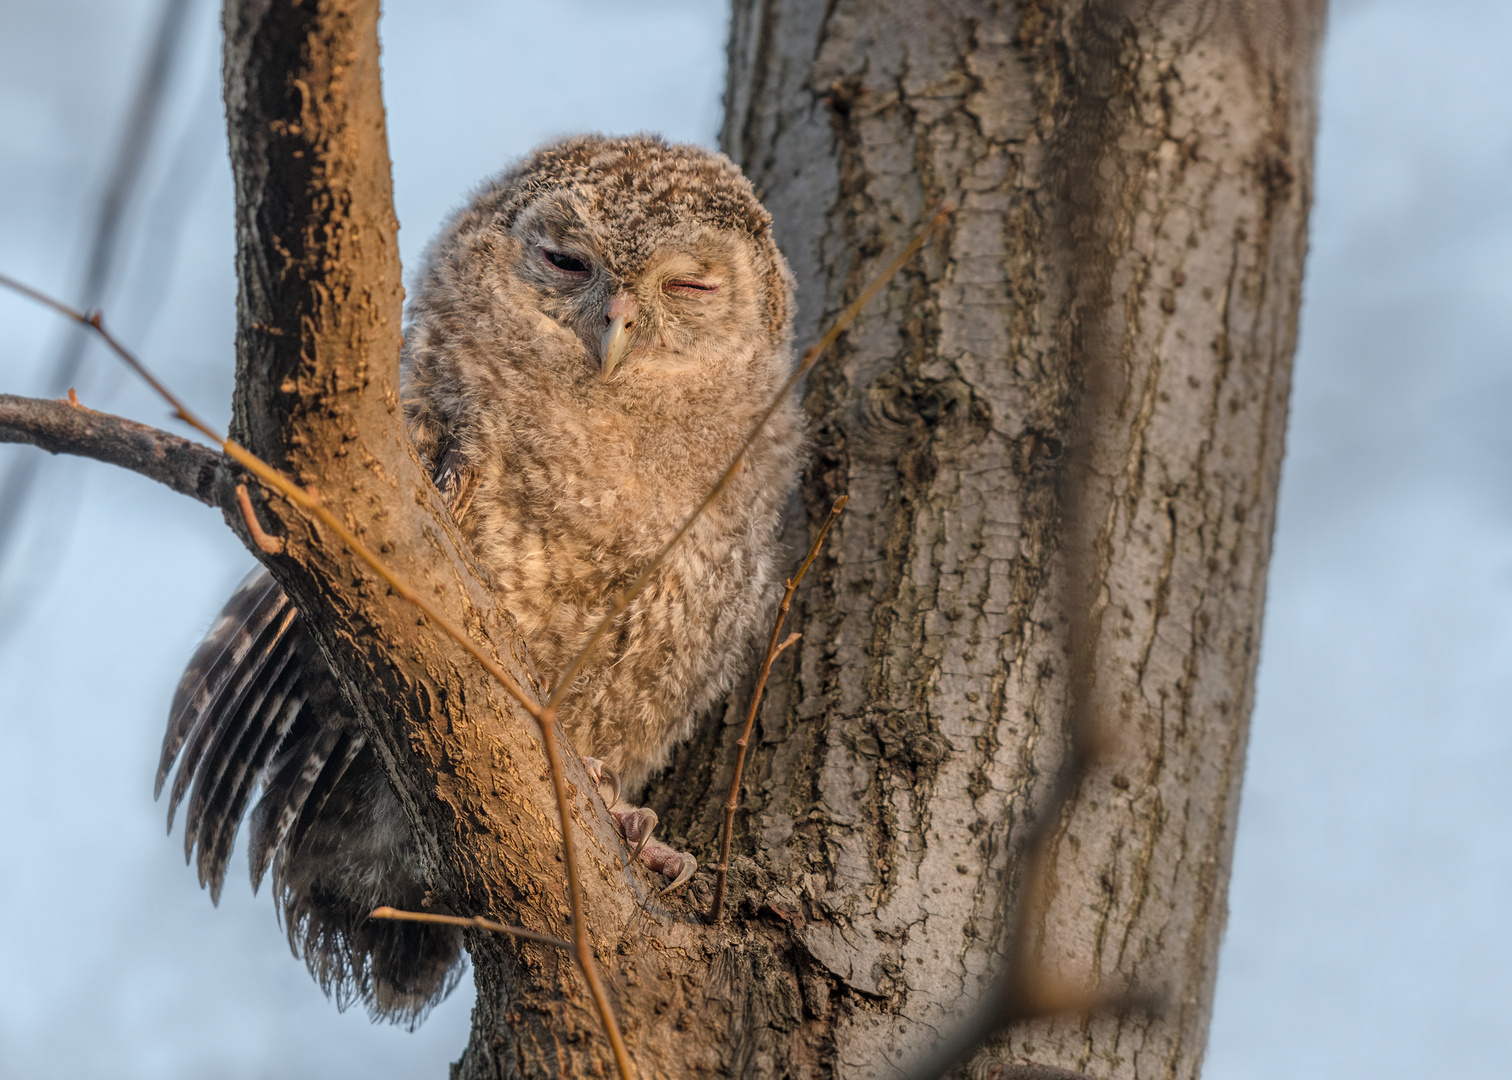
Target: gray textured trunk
{"x":1133,"y":184}
{"x":1088,"y":370}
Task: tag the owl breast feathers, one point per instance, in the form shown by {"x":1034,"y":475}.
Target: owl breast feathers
{"x":591,"y":341}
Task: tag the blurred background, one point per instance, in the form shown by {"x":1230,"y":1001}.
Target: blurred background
{"x":1367,"y":935}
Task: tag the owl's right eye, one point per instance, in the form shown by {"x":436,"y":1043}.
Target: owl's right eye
{"x":565,"y":263}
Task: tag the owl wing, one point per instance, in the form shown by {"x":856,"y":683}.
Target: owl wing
{"x":257,"y":703}
{"x":259,"y":707}
{"x":455,"y":479}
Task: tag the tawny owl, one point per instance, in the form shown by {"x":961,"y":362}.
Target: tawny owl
{"x":591,"y":339}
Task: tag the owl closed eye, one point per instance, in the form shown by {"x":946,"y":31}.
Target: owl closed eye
{"x":678,"y":302}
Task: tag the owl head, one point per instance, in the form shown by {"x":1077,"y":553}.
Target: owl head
{"x":637,"y":258}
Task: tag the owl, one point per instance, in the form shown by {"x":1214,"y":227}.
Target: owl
{"x":591,"y":340}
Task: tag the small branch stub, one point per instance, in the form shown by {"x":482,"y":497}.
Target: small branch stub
{"x":475,"y":922}
{"x":268,"y":545}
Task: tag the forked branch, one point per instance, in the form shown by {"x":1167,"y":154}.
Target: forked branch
{"x":309,"y":502}
{"x":274,"y":480}
{"x":544,"y":715}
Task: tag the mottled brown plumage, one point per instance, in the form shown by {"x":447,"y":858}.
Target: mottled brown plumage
{"x":591,"y":339}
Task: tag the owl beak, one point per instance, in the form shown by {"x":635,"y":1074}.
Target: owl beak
{"x":620,"y":314}
{"x":614,"y":344}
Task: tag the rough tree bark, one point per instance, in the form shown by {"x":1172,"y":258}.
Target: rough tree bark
{"x":317,"y":395}
{"x":1068,"y":413}
{"x":1133,"y":183}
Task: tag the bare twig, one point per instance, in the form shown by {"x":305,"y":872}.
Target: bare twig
{"x":716,"y":909}
{"x":131,"y":154}
{"x":544,"y":717}
{"x":805,"y":365}
{"x":61,"y":427}
{"x":581,"y":947}
{"x":135,"y":138}
{"x":475,"y":922}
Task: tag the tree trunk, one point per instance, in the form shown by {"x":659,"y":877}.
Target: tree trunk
{"x":1059,"y":431}
{"x":1121,"y":276}
{"x":1068,"y":413}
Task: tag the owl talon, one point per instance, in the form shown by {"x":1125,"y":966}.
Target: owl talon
{"x":644,"y":840}
{"x":686,"y":864}
{"x":612,"y":779}
{"x":602,"y":774}
{"x":636,"y":826}
{"x":669,"y":863}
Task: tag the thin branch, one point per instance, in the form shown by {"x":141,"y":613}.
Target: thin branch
{"x":716,"y":909}
{"x":581,"y":947}
{"x":131,"y":153}
{"x":544,"y":717}
{"x":63,"y":428}
{"x":476,"y":922}
{"x":805,"y":365}
{"x":95,"y":322}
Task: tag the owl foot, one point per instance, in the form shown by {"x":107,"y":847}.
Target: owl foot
{"x":675,"y":867}
{"x":636,"y":824}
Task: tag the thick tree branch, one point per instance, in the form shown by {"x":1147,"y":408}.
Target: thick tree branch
{"x":317,"y":396}
{"x":1133,"y":186}
{"x":63,"y":427}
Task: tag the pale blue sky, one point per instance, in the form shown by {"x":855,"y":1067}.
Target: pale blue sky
{"x":1374,"y":866}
